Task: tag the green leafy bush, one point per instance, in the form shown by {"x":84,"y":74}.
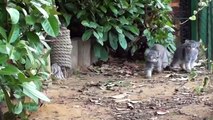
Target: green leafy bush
{"x":22,"y":56}
{"x":115,"y":23}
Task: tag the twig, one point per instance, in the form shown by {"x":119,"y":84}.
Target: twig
{"x":198,"y":10}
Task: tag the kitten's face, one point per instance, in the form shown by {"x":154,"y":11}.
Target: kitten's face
{"x":192,"y":45}
{"x":151,"y":56}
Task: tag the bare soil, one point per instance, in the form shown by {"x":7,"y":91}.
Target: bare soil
{"x":120,"y":92}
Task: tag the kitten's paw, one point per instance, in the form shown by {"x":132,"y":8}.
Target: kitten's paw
{"x":148,"y":76}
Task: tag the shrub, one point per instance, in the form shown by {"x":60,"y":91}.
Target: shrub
{"x":22,"y":56}
{"x":115,"y":23}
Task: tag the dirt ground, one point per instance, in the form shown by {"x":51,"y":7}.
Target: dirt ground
{"x":120,"y":92}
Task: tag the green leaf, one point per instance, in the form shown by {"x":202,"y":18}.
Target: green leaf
{"x":124,"y":4}
{"x":3,"y":49}
{"x":14,"y":15}
{"x":16,"y":54}
{"x":100,"y":52}
{"x":105,"y":36}
{"x":114,"y":10}
{"x":3,"y":58}
{"x":3,"y":33}
{"x":67,"y":18}
{"x":31,"y":107}
{"x":31,"y":57}
{"x":129,"y":35}
{"x":118,"y":29}
{"x":89,"y":24}
{"x":40,"y":9}
{"x":18,"y":108}
{"x":81,"y":13}
{"x":133,"y":29}
{"x":133,"y":49}
{"x":96,"y":35}
{"x":160,"y":4}
{"x":107,"y":28}
{"x":103,"y":9}
{"x":113,"y":40}
{"x":29,"y":89}
{"x":9,"y":70}
{"x":35,"y":42}
{"x":93,"y":25}
{"x":122,"y":41}
{"x":85,"y":23}
{"x":123,"y":20}
{"x":146,"y":32}
{"x":14,"y":33}
{"x":140,"y":5}
{"x":193,"y":17}
{"x":51,"y":26}
{"x":30,"y":20}
{"x":87,"y":34}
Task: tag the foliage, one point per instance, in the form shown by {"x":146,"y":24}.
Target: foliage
{"x":199,"y":89}
{"x":116,"y":23}
{"x":22,"y":56}
{"x":201,"y":5}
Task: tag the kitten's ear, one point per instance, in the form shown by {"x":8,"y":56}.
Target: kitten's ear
{"x":146,"y":52}
{"x":199,"y":43}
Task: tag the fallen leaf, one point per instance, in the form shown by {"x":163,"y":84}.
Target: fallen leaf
{"x":119,"y":96}
{"x":162,"y":112}
{"x":121,"y":100}
{"x":130,"y":106}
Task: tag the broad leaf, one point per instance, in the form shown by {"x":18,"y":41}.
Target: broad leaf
{"x":100,"y":52}
{"x":105,"y":36}
{"x":133,"y":29}
{"x":89,"y":24}
{"x":99,"y":37}
{"x":107,"y":28}
{"x":122,"y":41}
{"x":9,"y":70}
{"x":3,"y":58}
{"x":133,"y":49}
{"x":113,"y":40}
{"x":67,"y":18}
{"x":103,"y":9}
{"x":14,"y":15}
{"x":51,"y":26}
{"x":129,"y":35}
{"x":40,"y":9}
{"x":81,"y":13}
{"x":30,"y":20}
{"x":3,"y":33}
{"x":124,"y":4}
{"x":93,"y":25}
{"x":118,"y":29}
{"x":31,"y":107}
{"x":85,"y":23}
{"x":3,"y":49}
{"x":29,"y":88}
{"x":87,"y":34}
{"x":113,"y":9}
{"x":18,"y":108}
{"x":123,"y":20}
{"x":35,"y":42}
{"x":14,"y":33}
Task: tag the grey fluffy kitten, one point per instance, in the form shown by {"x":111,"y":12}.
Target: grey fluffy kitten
{"x":157,"y":58}
{"x":186,"y":55}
